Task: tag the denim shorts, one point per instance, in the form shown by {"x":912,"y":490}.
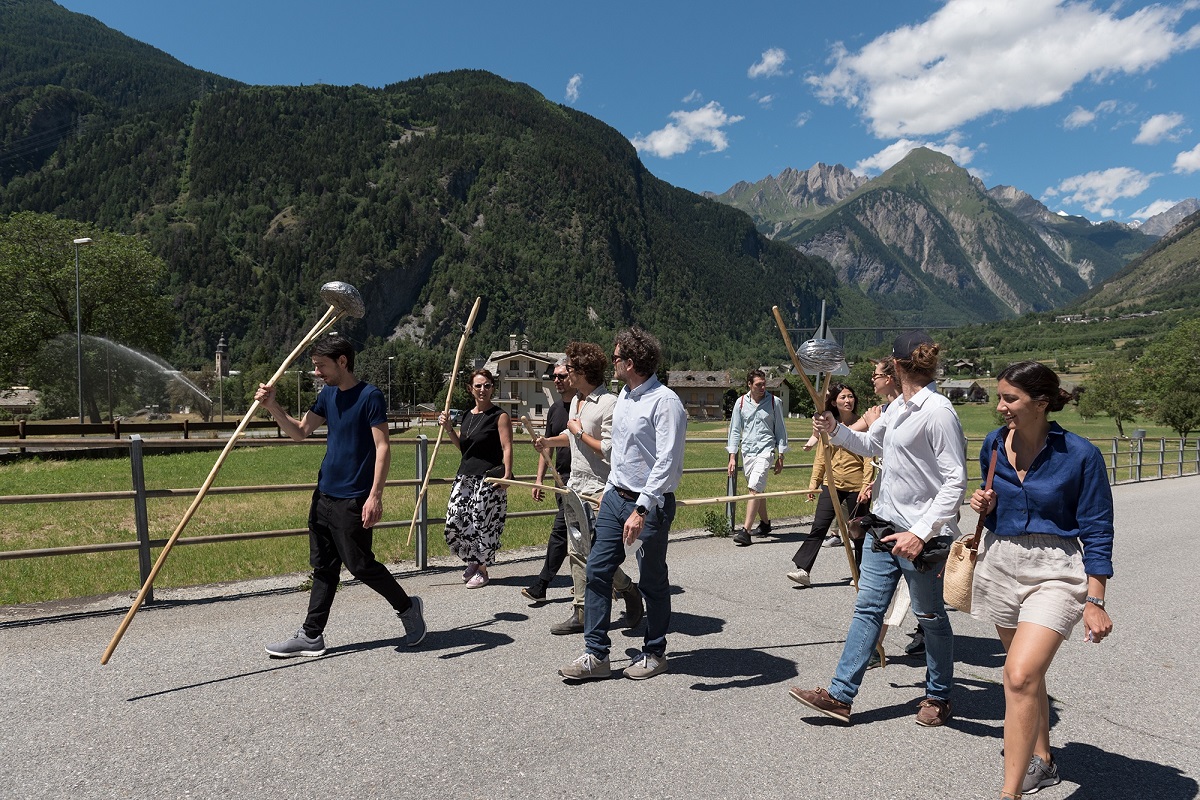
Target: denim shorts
{"x":756,"y":469}
{"x":1036,"y":578}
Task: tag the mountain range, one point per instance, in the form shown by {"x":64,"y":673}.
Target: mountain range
{"x":424,"y":194}
{"x":929,"y":241}
{"x":429,"y":192}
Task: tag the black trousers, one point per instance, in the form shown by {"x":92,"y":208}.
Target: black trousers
{"x":806,"y":556}
{"x":556,"y":547}
{"x":335,"y":537}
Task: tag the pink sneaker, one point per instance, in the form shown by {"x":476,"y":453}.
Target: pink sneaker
{"x":479,"y":579}
{"x":470,"y":571}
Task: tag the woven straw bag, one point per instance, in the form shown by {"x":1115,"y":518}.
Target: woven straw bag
{"x":959,"y":572}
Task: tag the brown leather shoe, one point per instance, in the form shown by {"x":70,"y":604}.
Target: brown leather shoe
{"x":572,"y":624}
{"x":932,"y":712}
{"x":820,"y":700}
{"x":634,"y":610}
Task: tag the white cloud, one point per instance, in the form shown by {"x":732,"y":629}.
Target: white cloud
{"x":573,"y":87}
{"x":770,"y":65}
{"x":1097,"y":191}
{"x":1188,"y":161}
{"x":765,"y":100}
{"x":891,"y":155}
{"x":689,"y":128}
{"x":973,"y":57}
{"x":802,"y":119}
{"x":1158,"y":128}
{"x":1081,"y":116}
{"x":1157,"y":207}
{"x":694,"y":96}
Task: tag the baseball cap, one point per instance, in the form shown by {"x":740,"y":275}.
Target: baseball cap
{"x":906,"y":343}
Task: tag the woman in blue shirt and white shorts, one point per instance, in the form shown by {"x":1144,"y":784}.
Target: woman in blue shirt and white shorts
{"x":1044,"y":560}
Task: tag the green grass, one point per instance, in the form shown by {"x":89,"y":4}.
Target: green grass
{"x":61,"y":524}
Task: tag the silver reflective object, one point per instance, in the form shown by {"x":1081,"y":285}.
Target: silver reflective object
{"x":345,"y":298}
{"x":820,"y":355}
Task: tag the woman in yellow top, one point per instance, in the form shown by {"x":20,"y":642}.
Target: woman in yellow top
{"x":852,"y":477}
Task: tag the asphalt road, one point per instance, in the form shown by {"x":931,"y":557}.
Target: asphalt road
{"x":190,"y":705}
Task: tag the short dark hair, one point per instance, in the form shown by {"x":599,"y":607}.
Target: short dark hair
{"x":589,"y":359}
{"x":487,"y":375}
{"x":334,"y":347}
{"x":641,"y":348}
{"x":755,"y":373}
{"x":832,"y":395}
{"x":1038,"y":381}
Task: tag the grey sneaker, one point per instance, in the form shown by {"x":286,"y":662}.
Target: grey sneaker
{"x":1039,"y":775}
{"x":298,"y":645}
{"x":742,"y":538}
{"x":800,"y":576}
{"x":587,"y":668}
{"x":414,"y":622}
{"x":646,"y":665}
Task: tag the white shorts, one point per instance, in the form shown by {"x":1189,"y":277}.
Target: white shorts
{"x":1035,"y":578}
{"x":756,"y":469}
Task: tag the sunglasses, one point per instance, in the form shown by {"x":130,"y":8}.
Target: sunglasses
{"x":558,"y":377}
{"x":482,"y":386}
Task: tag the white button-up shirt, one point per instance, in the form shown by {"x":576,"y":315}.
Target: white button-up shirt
{"x":649,"y":425}
{"x":924,"y":456}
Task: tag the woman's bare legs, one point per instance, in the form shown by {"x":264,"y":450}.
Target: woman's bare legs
{"x":1030,"y":648}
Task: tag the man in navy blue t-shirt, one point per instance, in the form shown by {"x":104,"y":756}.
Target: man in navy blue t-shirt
{"x":348,"y":500}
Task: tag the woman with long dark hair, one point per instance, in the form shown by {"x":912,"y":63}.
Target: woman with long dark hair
{"x":1045,"y":558}
{"x":852,"y":477}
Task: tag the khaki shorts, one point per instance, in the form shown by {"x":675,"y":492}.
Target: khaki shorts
{"x":755,"y":470}
{"x":1036,"y":578}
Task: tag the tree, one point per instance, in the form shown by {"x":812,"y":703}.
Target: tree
{"x":121,"y":294}
{"x":1171,"y":378}
{"x":1112,"y":389}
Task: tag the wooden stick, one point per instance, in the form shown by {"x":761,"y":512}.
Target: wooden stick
{"x":332,"y":315}
{"x":818,"y":404}
{"x":533,"y":438}
{"x":462,"y":342}
{"x":734,"y":498}
{"x":591,"y":498}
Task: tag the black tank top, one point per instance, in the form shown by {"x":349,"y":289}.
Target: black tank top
{"x":479,"y":438}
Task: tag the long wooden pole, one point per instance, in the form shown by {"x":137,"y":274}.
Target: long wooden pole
{"x":462,"y":343}
{"x":331,"y":316}
{"x":826,"y":450}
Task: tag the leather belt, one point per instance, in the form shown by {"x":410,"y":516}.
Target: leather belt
{"x":631,"y":497}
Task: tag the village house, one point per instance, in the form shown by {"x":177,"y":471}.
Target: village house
{"x":523,"y":384}
{"x":964,"y":391}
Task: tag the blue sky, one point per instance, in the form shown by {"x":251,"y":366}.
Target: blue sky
{"x":1086,"y":106}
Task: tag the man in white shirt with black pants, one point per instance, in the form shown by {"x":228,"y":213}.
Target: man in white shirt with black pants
{"x":649,"y":423}
{"x":921,"y":441}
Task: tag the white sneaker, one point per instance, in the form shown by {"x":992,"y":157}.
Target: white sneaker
{"x":800,"y":576}
{"x":832,"y":540}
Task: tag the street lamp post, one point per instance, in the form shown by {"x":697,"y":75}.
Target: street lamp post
{"x":390,"y":360}
{"x":79,"y":329}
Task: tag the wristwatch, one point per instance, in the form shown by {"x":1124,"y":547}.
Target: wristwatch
{"x":641,"y":510}
{"x":1096,"y":601}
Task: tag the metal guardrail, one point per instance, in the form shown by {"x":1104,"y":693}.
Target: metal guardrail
{"x":1128,"y":460}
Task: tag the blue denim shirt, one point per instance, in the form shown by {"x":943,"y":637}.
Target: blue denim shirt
{"x":1065,"y":493}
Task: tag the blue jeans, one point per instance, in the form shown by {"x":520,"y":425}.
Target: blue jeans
{"x":878,"y":576}
{"x":608,"y":552}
